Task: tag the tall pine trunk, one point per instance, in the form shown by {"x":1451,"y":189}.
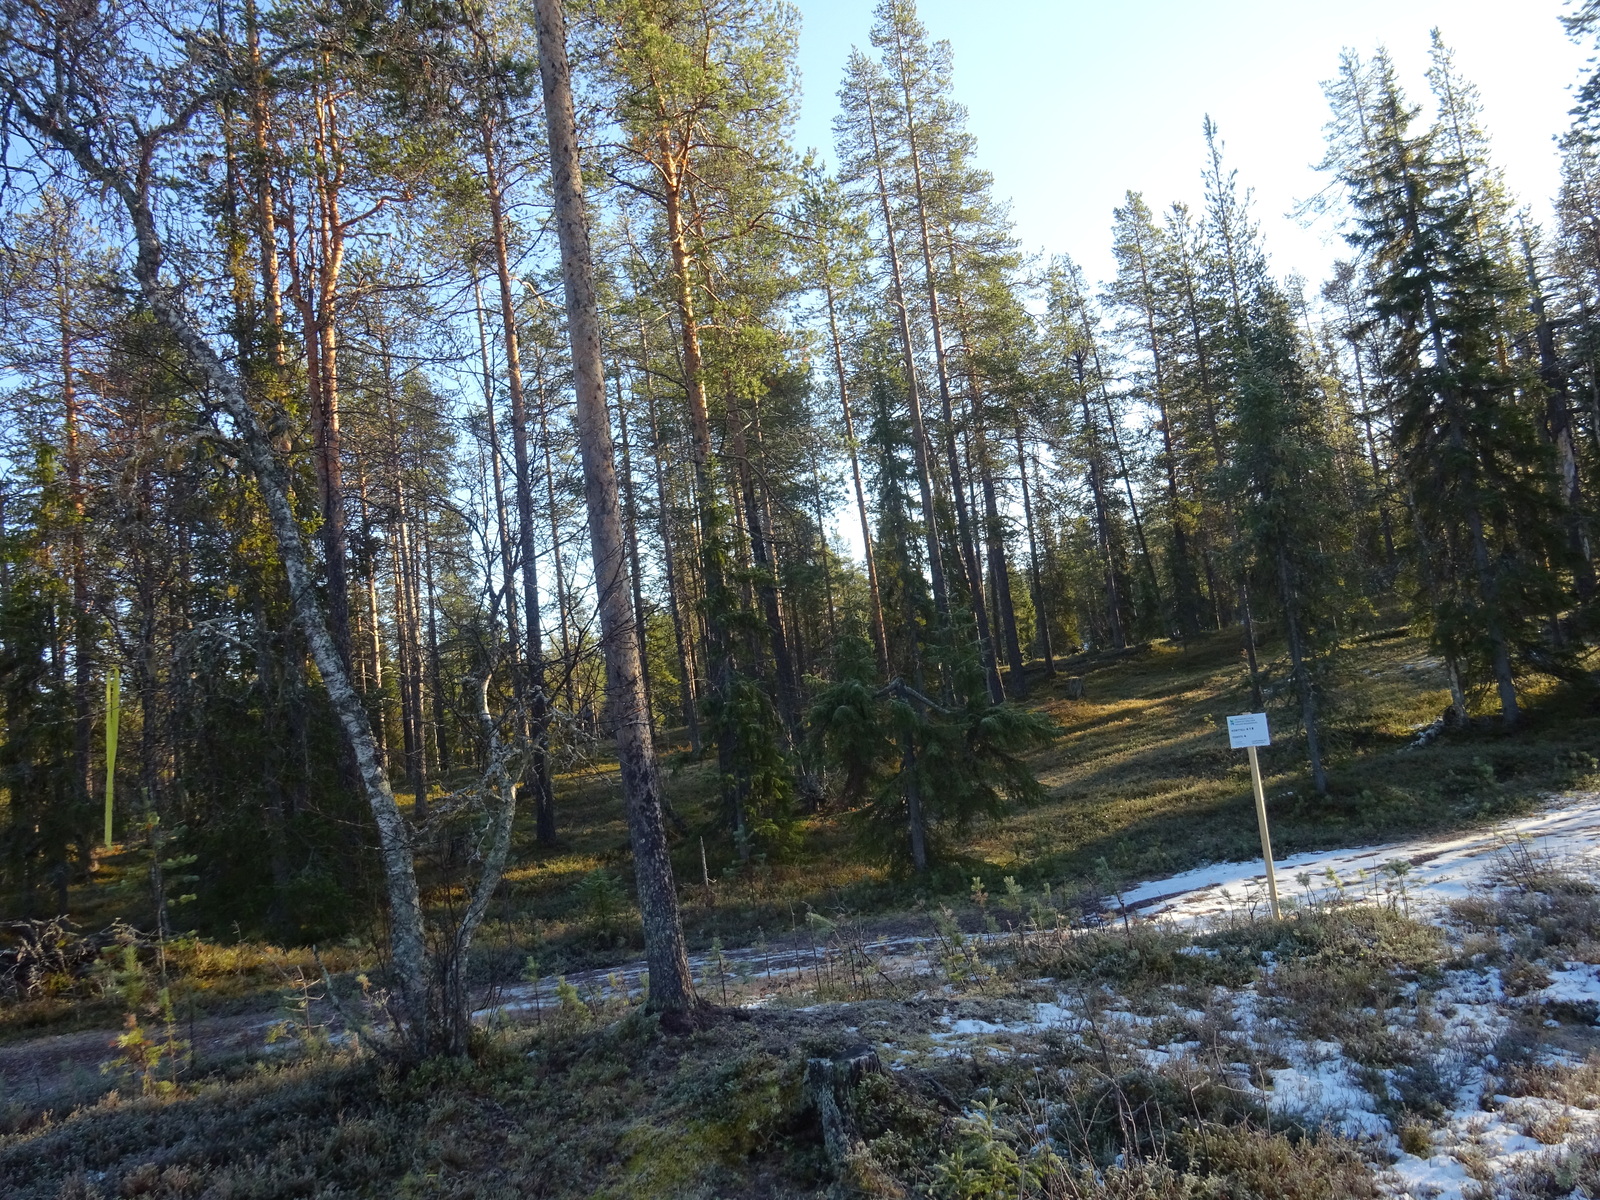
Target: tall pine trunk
{"x":538,"y":771}
{"x":682,"y":641}
{"x":919,"y":433}
{"x":964,"y":534}
{"x":765,"y":573}
{"x":671,"y":986}
{"x":880,"y":637}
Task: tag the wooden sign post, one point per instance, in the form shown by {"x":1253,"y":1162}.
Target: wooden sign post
{"x":1246,"y":732}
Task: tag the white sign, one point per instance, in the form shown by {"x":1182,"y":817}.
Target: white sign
{"x":1248,"y":729}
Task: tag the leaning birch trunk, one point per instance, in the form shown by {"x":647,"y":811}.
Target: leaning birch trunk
{"x":406,"y":943}
{"x":500,"y":793}
{"x":671,"y":986}
{"x":58,"y":119}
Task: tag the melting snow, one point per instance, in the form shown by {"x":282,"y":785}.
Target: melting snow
{"x":1319,"y":1085}
{"x":1437,"y":870}
{"x":1477,"y":1137}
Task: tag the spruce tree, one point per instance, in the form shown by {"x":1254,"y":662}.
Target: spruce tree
{"x":1140,"y":247}
{"x":1466,"y":443}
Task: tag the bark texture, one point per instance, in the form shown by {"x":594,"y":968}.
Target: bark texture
{"x":671,"y":986}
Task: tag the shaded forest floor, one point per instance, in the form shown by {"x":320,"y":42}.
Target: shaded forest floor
{"x":583,"y":1096}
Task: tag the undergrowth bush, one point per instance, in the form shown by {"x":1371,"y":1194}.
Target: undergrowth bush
{"x":998,"y":1155}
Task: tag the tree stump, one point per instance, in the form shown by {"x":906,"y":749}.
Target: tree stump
{"x":1075,"y":688}
{"x":828,"y":1084}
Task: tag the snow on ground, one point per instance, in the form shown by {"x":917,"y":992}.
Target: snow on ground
{"x":1492,"y":1134}
{"x":1479,"y":1136}
{"x":1436,"y":871}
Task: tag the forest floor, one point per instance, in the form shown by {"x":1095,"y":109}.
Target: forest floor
{"x":1089,"y":985}
{"x":1139,"y":783}
{"x":1424,"y":1021}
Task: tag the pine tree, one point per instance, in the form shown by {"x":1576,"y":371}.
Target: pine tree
{"x":671,"y":986}
{"x":926,"y":145}
{"x":702,"y":98}
{"x":1294,"y":521}
{"x":833,"y":242}
{"x":1078,"y":420}
{"x":864,"y":161}
{"x":59,"y":309}
{"x":1141,"y":248}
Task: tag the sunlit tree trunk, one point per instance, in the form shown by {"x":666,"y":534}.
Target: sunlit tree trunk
{"x":538,"y":771}
{"x":880,"y":637}
{"x":671,"y":986}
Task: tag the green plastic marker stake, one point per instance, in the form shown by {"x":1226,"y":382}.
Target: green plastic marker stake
{"x":113,"y":719}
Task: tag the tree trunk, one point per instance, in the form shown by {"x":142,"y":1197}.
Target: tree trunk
{"x":405,"y":642}
{"x":1116,"y":444}
{"x":824,"y":556}
{"x":406,"y":624}
{"x":508,"y":573}
{"x":372,"y":684}
{"x":266,"y":215}
{"x":964,"y":534}
{"x":631,"y":521}
{"x":564,"y":610}
{"x":1302,"y":675}
{"x":1102,"y":515}
{"x":82,"y":621}
{"x":538,"y":772}
{"x":406,"y":941}
{"x":916,"y":822}
{"x":686,"y":663}
{"x":919,"y":434}
{"x":675,"y":173}
{"x":999,"y":574}
{"x":880,"y":636}
{"x":1041,"y":614}
{"x":766,"y":580}
{"x":1005,"y":618}
{"x":441,"y":743}
{"x":1187,"y":601}
{"x":1208,"y":400}
{"x":1488,"y":591}
{"x":1558,"y":430}
{"x":671,"y":986}
{"x":322,"y":333}
{"x":1353,"y":318}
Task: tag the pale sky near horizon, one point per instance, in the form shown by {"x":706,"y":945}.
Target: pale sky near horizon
{"x":1074,"y":103}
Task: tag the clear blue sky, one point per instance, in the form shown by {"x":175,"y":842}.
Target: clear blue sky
{"x":1073,"y":102}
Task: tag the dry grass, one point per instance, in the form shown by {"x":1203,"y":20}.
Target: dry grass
{"x":599,"y":1103}
{"x":1139,"y":784}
